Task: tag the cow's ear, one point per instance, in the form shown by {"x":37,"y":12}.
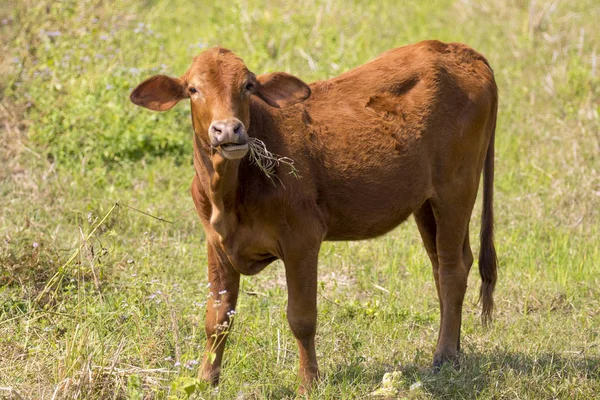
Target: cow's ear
{"x":280,"y":89}
{"x":159,"y":93}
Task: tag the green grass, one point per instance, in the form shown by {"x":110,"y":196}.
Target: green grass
{"x":114,"y":321}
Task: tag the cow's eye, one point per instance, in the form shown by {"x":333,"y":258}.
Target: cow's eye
{"x":193,"y":90}
{"x":250,"y":86}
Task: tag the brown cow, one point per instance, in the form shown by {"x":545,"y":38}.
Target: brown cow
{"x":407,"y":133}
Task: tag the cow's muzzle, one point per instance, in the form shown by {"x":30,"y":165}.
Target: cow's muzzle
{"x":229,"y":137}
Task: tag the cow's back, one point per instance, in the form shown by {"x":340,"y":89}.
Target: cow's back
{"x":388,"y":133}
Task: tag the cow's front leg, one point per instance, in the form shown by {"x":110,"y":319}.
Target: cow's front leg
{"x":301,"y":276}
{"x":220,"y":307}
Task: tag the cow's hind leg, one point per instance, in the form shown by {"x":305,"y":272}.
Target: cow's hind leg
{"x":452,"y":215}
{"x":468,"y":261}
{"x":427,"y":227}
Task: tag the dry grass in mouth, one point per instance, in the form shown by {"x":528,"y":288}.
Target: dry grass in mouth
{"x":267,"y":161}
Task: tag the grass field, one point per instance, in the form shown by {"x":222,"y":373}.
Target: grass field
{"x":102,"y":301}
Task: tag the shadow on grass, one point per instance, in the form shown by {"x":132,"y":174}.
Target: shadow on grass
{"x":477,"y":373}
{"x":362,"y":373}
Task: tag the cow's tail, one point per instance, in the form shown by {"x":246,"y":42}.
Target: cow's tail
{"x":488,"y":263}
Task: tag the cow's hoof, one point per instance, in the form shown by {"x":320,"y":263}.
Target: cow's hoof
{"x":211,"y":376}
{"x":309,"y":382}
{"x":444,"y":358}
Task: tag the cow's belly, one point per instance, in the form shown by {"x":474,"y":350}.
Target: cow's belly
{"x":366,"y":224}
{"x":357,"y":210}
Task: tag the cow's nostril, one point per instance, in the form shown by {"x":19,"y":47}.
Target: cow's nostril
{"x":216,"y":129}
{"x":237,"y":128}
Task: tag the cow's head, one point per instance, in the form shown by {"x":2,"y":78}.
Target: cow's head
{"x":219,"y":87}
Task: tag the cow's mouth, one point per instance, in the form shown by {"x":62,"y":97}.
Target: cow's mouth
{"x":233,"y":151}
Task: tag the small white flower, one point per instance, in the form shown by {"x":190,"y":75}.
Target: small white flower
{"x":190,"y":364}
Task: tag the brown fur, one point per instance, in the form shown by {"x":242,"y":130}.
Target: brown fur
{"x":407,"y":133}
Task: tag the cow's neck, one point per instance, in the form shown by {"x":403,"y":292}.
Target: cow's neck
{"x":219,"y":177}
